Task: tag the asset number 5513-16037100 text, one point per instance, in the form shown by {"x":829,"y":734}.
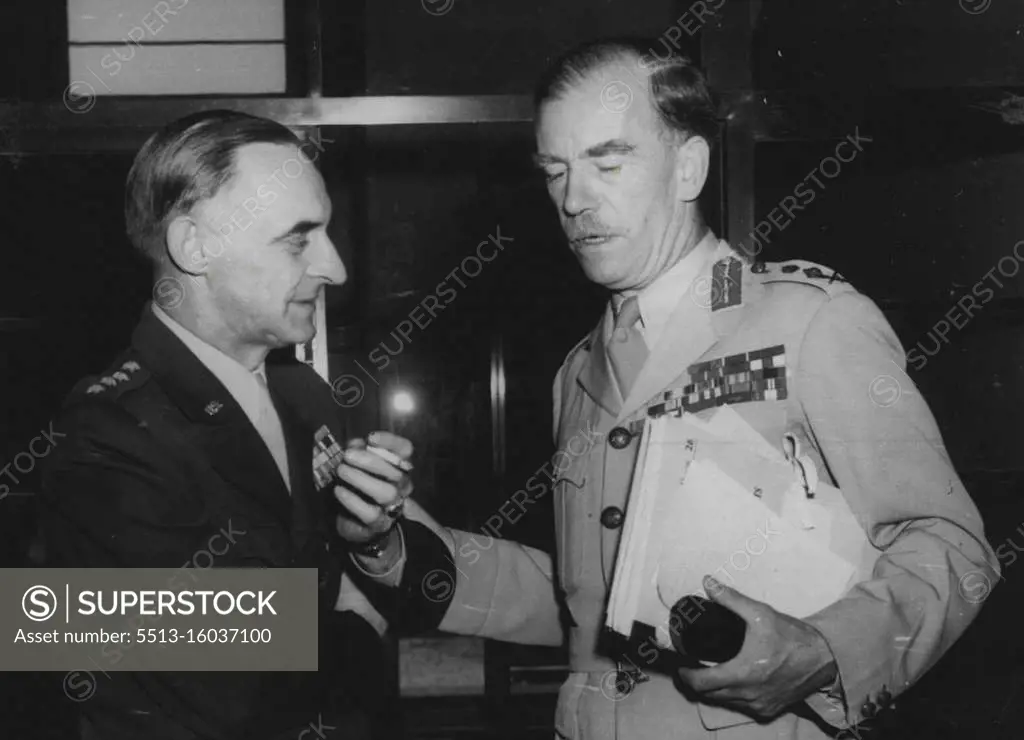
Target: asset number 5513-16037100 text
{"x":208,"y":635}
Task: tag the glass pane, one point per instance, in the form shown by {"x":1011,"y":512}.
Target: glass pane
{"x":143,"y":21}
{"x":188,"y":69}
{"x":455,"y":47}
{"x":135,"y":47}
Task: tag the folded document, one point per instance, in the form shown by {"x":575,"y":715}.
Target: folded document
{"x":715,"y":498}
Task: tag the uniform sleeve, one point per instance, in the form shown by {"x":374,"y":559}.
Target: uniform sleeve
{"x":413,"y":605}
{"x":882,"y":445}
{"x":502,"y":590}
{"x":490,"y":587}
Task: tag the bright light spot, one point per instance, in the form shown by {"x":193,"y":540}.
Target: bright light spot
{"x":402,"y":402}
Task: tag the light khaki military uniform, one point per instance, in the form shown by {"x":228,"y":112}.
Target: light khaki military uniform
{"x":846,"y":397}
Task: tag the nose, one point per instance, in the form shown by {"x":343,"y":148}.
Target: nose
{"x":578,"y":196}
{"x":327,"y":265}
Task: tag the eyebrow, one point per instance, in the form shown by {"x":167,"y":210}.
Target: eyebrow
{"x":300,"y":229}
{"x":604,"y":149}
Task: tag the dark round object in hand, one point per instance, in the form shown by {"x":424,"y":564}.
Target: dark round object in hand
{"x":704,"y":630}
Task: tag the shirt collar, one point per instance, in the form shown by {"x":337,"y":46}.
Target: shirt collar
{"x":658,"y":300}
{"x":240,"y":382}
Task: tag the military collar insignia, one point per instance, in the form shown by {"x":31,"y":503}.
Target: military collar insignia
{"x":726,"y":283}
{"x":213,"y":407}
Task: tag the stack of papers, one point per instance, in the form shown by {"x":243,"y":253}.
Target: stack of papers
{"x":715,"y":498}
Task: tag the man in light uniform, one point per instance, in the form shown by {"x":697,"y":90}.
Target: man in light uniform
{"x":625,"y":142}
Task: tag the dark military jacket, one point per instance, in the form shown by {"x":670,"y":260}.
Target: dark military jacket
{"x":162,"y":468}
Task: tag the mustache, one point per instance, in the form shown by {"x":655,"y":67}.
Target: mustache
{"x":586,"y":225}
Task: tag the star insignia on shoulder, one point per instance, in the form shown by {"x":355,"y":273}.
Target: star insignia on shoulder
{"x":213,"y":407}
{"x":131,"y":366}
{"x":120,"y":376}
{"x":95,"y":388}
{"x":108,"y":381}
{"x":818,"y":273}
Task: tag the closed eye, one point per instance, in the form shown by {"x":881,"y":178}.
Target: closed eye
{"x":298,"y":242}
{"x":297,"y":237}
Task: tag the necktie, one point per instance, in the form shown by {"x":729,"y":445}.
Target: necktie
{"x":268,"y":424}
{"x":626,"y":348}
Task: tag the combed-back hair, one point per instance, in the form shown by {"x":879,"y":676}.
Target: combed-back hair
{"x":678,"y":89}
{"x":187,"y":161}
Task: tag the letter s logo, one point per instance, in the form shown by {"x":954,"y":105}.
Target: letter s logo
{"x":43,"y":601}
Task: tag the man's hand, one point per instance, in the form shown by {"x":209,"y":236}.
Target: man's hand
{"x":370,"y":486}
{"x":783,"y":660}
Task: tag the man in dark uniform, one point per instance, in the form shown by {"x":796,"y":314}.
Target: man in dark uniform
{"x":192,"y":450}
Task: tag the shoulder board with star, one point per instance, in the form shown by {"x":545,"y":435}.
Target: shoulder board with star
{"x":125,"y":374}
{"x":805,"y":273}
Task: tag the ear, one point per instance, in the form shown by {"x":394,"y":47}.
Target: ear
{"x":693,"y":158}
{"x":185,"y":246}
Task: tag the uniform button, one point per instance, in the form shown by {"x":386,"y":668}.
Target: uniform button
{"x":883,"y":698}
{"x":619,"y":437}
{"x":869,"y":709}
{"x":611,"y":518}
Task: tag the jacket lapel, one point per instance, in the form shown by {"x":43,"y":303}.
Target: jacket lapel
{"x":595,"y":376}
{"x":688,"y":335}
{"x":306,"y":505}
{"x":695,"y":327}
{"x":222,"y":431}
{"x":692,"y":331}
{"x":295,"y":397}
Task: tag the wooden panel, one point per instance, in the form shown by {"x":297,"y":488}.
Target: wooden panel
{"x":492,"y":46}
{"x":921,"y":232}
{"x":870,"y":43}
{"x":726,"y":57}
{"x":977,"y":119}
{"x":441,"y":666}
{"x":30,"y":127}
{"x":192,"y":69}
{"x":144,"y":21}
